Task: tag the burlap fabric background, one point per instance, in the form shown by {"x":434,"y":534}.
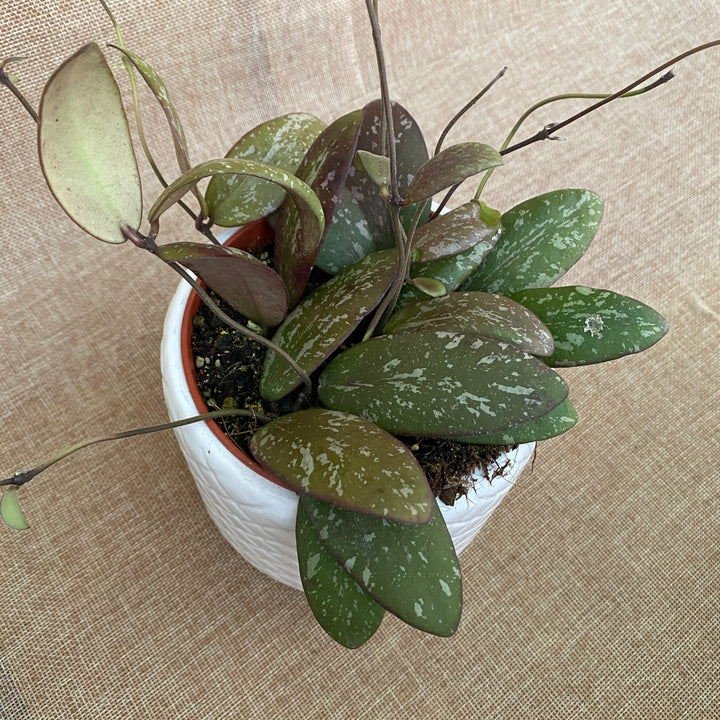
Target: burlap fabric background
{"x":593,"y":592}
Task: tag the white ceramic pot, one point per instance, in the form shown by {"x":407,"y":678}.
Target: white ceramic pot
{"x":254,"y":513}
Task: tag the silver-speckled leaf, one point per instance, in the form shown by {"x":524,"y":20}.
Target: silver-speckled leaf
{"x":450,"y":271}
{"x":592,"y":326}
{"x":243,"y":281}
{"x":556,"y":422}
{"x":452,"y":233}
{"x":345,"y":460}
{"x":10,"y":510}
{"x":304,"y":199}
{"x":85,"y":149}
{"x":281,"y":142}
{"x":317,"y":327}
{"x":376,"y":166}
{"x":440,"y":384}
{"x":492,"y":316}
{"x":360,"y":223}
{"x":343,"y":609}
{"x":542,"y":239}
{"x":411,"y":570}
{"x":449,"y":167}
{"x":324,"y":168}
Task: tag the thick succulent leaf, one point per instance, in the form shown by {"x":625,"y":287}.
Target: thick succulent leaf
{"x":347,"y":461}
{"x":411,"y":570}
{"x":440,"y":384}
{"x":10,"y":510}
{"x":450,"y":271}
{"x":592,"y":326}
{"x":343,"y":609}
{"x":243,"y":281}
{"x":542,"y":239}
{"x":492,"y":316}
{"x":281,"y":142}
{"x":304,"y":199}
{"x":449,"y":234}
{"x":556,"y":422}
{"x":324,"y":168}
{"x":85,"y":148}
{"x":324,"y":319}
{"x":428,"y":286}
{"x":450,"y":167}
{"x":360,"y":223}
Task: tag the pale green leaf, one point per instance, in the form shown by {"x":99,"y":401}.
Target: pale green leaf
{"x":85,"y":149}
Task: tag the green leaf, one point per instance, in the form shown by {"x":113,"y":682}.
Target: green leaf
{"x":343,"y":609}
{"x":376,"y":166}
{"x":452,"y":233}
{"x":450,"y":167}
{"x":324,"y":168}
{"x":282,"y":142}
{"x":85,"y":148}
{"x":360,"y":224}
{"x":10,"y":510}
{"x":592,"y":326}
{"x":440,"y":384}
{"x":304,"y":199}
{"x":411,"y":570}
{"x":243,"y":281}
{"x":324,"y":319}
{"x":492,"y":316}
{"x":428,"y":286}
{"x":345,"y":460}
{"x":450,"y":271}
{"x":556,"y":422}
{"x":161,"y":93}
{"x":542,"y":239}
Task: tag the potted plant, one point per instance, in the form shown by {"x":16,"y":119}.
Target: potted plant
{"x":381,"y":330}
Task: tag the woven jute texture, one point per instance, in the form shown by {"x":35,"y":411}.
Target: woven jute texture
{"x":594,"y":590}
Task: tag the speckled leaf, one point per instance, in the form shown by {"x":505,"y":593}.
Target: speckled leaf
{"x":282,"y":142}
{"x":303,"y":198}
{"x":440,"y":384}
{"x":492,"y":316}
{"x":10,"y":510}
{"x":450,"y":167}
{"x":556,"y":422}
{"x":324,"y":168}
{"x":452,"y":233}
{"x":243,"y":281}
{"x":317,"y":327}
{"x":85,"y":149}
{"x":343,"y":609}
{"x":411,"y":570}
{"x":360,"y":222}
{"x":347,"y":461}
{"x":542,"y":239}
{"x":160,"y":91}
{"x":450,"y":271}
{"x":592,"y":326}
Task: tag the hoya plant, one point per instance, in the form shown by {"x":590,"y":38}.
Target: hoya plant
{"x":383,"y":319}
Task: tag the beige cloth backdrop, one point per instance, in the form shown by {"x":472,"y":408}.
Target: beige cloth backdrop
{"x":593,"y":592}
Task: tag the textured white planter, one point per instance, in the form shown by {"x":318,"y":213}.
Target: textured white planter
{"x":256,"y":515}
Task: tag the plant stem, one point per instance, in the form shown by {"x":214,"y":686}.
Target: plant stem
{"x":467,"y":107}
{"x":269,"y":344}
{"x":385,"y":95}
{"x":25,"y":476}
{"x":5,"y":80}
{"x":554,"y":127}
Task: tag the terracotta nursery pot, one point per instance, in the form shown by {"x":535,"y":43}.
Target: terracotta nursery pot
{"x":252,"y":510}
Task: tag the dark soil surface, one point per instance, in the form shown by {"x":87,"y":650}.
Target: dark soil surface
{"x":228,"y":368}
